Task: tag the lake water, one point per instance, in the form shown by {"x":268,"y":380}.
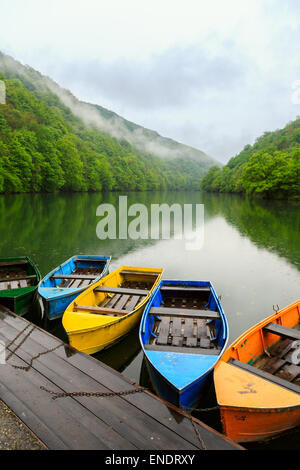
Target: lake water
{"x":251,"y":254}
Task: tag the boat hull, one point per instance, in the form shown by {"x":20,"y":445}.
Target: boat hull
{"x":56,"y":300}
{"x":256,"y":405}
{"x":20,"y":300}
{"x":186,"y":399}
{"x":91,"y":333}
{"x":104,"y":337}
{"x":251,"y":424}
{"x":181,"y":378}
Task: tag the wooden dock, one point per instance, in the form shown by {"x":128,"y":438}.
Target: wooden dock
{"x":38,"y":363}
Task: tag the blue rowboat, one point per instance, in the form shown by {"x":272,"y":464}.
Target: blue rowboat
{"x":183,"y":333}
{"x":62,"y":285}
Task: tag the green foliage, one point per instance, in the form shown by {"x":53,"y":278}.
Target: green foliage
{"x":44,"y":147}
{"x":269,"y":169}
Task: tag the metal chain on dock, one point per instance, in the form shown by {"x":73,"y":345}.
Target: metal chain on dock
{"x":198,"y":435}
{"x":12,"y":342}
{"x":27,"y":368}
{"x":21,"y":343}
{"x":57,"y":395}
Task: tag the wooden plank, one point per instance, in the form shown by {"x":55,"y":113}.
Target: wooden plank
{"x":189,"y":333}
{"x":76,"y":284}
{"x":184,"y":289}
{"x":13,"y":263}
{"x":81,"y":277}
{"x":63,"y":424}
{"x":85,"y":283}
{"x":17,"y":278}
{"x":112,"y":302}
{"x":14,"y":284}
{"x":191,"y":342}
{"x":133,"y":303}
{"x":281,"y":348}
{"x":164,"y":331}
{"x":273,"y":365}
{"x":290,"y":372}
{"x":205,"y":343}
{"x":101,"y":310}
{"x":201,"y":329}
{"x":184,"y":313}
{"x":120,"y":290}
{"x":140,"y":273}
{"x":283,"y":331}
{"x":265,"y":375}
{"x":125,"y":424}
{"x":122,"y":302}
{"x":176,"y":327}
{"x":184,"y":350}
{"x":163,"y":416}
{"x":189,"y":328}
{"x":92,"y":260}
{"x":177,"y":337}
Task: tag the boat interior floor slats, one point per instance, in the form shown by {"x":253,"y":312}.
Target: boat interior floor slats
{"x":184,"y":324}
{"x":15,"y":279}
{"x":282,"y":360}
{"x":184,"y":333}
{"x":74,"y":283}
{"x":124,"y":298}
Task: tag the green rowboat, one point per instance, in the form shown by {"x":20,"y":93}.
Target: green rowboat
{"x":19,"y":278}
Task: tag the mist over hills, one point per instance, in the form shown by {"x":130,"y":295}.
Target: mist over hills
{"x":142,"y":139}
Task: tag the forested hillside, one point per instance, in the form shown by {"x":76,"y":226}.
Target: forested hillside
{"x":44,"y":146}
{"x":270,"y":168}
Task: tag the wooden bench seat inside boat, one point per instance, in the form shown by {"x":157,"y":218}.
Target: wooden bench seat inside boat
{"x":139,"y":273}
{"x":81,"y":277}
{"x":101,"y":310}
{"x":118,"y":305}
{"x":89,"y":260}
{"x":122,"y":290}
{"x":185,"y":313}
{"x":172,"y":349}
{"x":4,"y":264}
{"x":282,"y":331}
{"x":183,"y":289}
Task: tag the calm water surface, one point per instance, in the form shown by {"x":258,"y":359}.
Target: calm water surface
{"x":251,"y":254}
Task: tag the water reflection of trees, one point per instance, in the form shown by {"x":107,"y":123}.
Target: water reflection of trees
{"x":273,"y":225}
{"x":51,"y":228}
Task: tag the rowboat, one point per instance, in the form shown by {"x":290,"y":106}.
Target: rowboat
{"x":19,"y":278}
{"x":257,"y":381}
{"x":183,"y":334}
{"x":62,"y":285}
{"x":108,"y":310}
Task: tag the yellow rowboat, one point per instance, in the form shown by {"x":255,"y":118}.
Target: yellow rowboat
{"x":109,"y":309}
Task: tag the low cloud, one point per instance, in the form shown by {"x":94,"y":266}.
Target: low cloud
{"x":169,"y":80}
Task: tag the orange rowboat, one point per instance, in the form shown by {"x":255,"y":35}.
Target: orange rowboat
{"x":257,"y":381}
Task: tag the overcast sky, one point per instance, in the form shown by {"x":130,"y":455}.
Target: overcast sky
{"x":213,"y":74}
